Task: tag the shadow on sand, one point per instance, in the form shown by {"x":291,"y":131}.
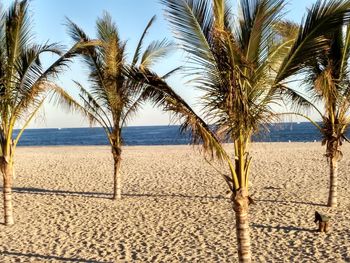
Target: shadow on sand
{"x":289,"y":202}
{"x":39,"y":191}
{"x":38,"y":256}
{"x":284,"y":228}
{"x":177,"y":196}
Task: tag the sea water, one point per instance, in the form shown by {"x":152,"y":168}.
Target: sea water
{"x":158,"y":135}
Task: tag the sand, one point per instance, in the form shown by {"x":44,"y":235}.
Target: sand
{"x":174,"y":207}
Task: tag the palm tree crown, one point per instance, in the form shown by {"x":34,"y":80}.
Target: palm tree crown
{"x":328,"y":83}
{"x":113,"y":97}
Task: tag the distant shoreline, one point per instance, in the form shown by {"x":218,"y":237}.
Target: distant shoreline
{"x":163,"y":145}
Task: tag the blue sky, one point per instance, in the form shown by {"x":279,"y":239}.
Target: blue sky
{"x":131,"y":16}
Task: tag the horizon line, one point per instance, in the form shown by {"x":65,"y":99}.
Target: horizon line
{"x":137,"y":126}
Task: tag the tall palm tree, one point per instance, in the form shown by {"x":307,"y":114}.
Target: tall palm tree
{"x":243,"y":69}
{"x":24,"y":86}
{"x":113,"y":97}
{"x":328,"y":84}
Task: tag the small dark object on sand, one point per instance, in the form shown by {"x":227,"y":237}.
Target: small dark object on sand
{"x":323,"y":222}
{"x":251,"y":201}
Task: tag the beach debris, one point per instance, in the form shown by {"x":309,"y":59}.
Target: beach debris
{"x":251,"y":200}
{"x":323,"y":222}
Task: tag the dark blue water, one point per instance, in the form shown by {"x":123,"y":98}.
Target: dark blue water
{"x":156,"y":135}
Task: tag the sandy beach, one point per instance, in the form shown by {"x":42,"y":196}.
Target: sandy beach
{"x":174,"y":206}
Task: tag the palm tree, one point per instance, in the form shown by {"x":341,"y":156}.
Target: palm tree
{"x":113,"y":97}
{"x":328,"y":84}
{"x":24,"y":86}
{"x":243,"y":70}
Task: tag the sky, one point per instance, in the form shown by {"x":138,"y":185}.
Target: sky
{"x":131,"y":17}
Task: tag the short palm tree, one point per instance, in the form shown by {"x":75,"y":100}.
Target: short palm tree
{"x":24,"y":86}
{"x":243,"y":70}
{"x":113,"y":97}
{"x":328,"y":84}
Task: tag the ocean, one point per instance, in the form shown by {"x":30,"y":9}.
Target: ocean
{"x":157,"y":135}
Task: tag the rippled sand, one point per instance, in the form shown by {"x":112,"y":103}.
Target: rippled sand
{"x":174,"y":207}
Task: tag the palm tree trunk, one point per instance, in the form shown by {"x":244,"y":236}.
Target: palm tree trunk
{"x":7,"y":170}
{"x":240,"y":206}
{"x":117,"y":180}
{"x":333,"y":189}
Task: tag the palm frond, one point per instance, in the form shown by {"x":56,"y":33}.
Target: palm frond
{"x":155,"y":51}
{"x":106,"y":28}
{"x":95,"y":110}
{"x":135,"y":107}
{"x":29,"y":67}
{"x":171,"y":72}
{"x":62,"y":98}
{"x":285,"y":33}
{"x":33,"y":81}
{"x":75,"y":32}
{"x":346,"y":54}
{"x":28,"y":120}
{"x":18,"y":34}
{"x":322,"y":18}
{"x":297,"y":101}
{"x":192,"y":22}
{"x":286,"y":30}
{"x":258,"y":19}
{"x":93,"y":60}
{"x":140,"y":43}
{"x":162,"y":95}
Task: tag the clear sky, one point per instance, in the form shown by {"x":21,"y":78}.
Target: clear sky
{"x":131,"y":16}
